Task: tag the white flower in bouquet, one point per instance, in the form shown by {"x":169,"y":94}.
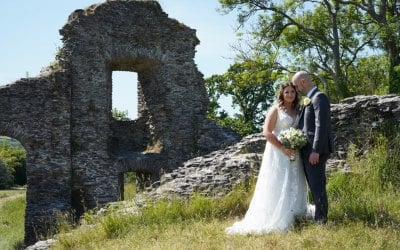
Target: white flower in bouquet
{"x":293,"y":138}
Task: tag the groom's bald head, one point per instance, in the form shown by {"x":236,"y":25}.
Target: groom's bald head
{"x":302,"y":82}
{"x":301,"y":75}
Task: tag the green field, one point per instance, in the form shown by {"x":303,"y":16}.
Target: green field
{"x":12,"y":214}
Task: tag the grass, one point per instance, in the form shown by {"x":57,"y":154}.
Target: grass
{"x":364,"y":214}
{"x":210,"y":235}
{"x":370,"y":193}
{"x":10,"y":193}
{"x":129,"y":191}
{"x":12,"y":213}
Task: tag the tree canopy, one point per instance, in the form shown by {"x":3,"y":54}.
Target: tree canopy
{"x":350,"y":47}
{"x":12,"y":164}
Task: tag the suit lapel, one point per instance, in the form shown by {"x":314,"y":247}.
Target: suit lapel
{"x":303,"y":108}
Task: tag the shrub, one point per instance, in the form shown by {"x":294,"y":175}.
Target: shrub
{"x":14,"y":157}
{"x":6,"y":178}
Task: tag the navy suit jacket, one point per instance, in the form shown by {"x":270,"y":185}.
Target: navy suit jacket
{"x":315,"y":121}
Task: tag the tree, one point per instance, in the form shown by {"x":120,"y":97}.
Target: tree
{"x":120,"y":115}
{"x":319,"y":35}
{"x":386,"y":17}
{"x":14,"y":158}
{"x":250,"y":83}
{"x":370,"y":76}
{"x":6,"y":178}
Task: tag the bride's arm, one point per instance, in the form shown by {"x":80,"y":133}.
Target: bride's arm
{"x":269,"y":126}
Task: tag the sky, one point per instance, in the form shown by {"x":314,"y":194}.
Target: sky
{"x":29,"y":39}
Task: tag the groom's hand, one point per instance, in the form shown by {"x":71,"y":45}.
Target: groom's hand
{"x":314,"y":158}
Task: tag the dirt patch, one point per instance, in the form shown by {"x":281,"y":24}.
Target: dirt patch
{"x":7,"y":195}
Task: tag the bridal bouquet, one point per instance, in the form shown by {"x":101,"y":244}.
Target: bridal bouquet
{"x":293,"y":138}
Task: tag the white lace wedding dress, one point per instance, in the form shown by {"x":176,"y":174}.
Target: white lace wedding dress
{"x":281,"y":191}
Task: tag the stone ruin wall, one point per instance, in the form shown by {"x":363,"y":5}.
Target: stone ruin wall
{"x":356,"y":118}
{"x":35,"y":111}
{"x":77,"y":153}
{"x":169,"y":87}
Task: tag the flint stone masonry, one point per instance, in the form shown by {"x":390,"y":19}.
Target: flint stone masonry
{"x":355,"y":118}
{"x":77,"y":153}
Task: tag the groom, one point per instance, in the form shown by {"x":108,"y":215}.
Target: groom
{"x":315,"y":121}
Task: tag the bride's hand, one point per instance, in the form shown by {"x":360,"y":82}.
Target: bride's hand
{"x":289,"y":152}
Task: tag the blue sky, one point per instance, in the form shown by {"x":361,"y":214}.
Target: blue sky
{"x":29,"y":38}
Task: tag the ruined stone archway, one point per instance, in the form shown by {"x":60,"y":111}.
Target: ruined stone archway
{"x":172,"y":97}
{"x":35,"y":112}
{"x":77,"y":152}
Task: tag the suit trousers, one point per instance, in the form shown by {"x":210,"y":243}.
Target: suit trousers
{"x":316,"y":179}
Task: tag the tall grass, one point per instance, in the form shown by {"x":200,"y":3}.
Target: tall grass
{"x":369,"y":194}
{"x":165,"y":215}
{"x":12,"y":212}
{"x":364,"y":214}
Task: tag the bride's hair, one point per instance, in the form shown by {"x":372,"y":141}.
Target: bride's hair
{"x":296,"y":102}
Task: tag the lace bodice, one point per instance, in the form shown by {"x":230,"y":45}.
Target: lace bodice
{"x":283,"y":122}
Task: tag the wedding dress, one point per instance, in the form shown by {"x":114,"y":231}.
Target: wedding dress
{"x":280,"y":194}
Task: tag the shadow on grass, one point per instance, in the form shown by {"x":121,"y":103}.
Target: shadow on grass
{"x":373,"y":219}
{"x":367,"y":211}
{"x":19,"y":245}
{"x":378,"y":218}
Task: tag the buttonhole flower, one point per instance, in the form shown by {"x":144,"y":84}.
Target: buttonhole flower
{"x":306,"y":101}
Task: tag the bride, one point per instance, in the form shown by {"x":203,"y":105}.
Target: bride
{"x":281,"y":191}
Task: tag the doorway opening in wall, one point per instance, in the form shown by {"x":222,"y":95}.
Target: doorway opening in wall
{"x":124,"y":95}
{"x":133,"y":183}
{"x":12,"y":191}
{"x":130,"y":186}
